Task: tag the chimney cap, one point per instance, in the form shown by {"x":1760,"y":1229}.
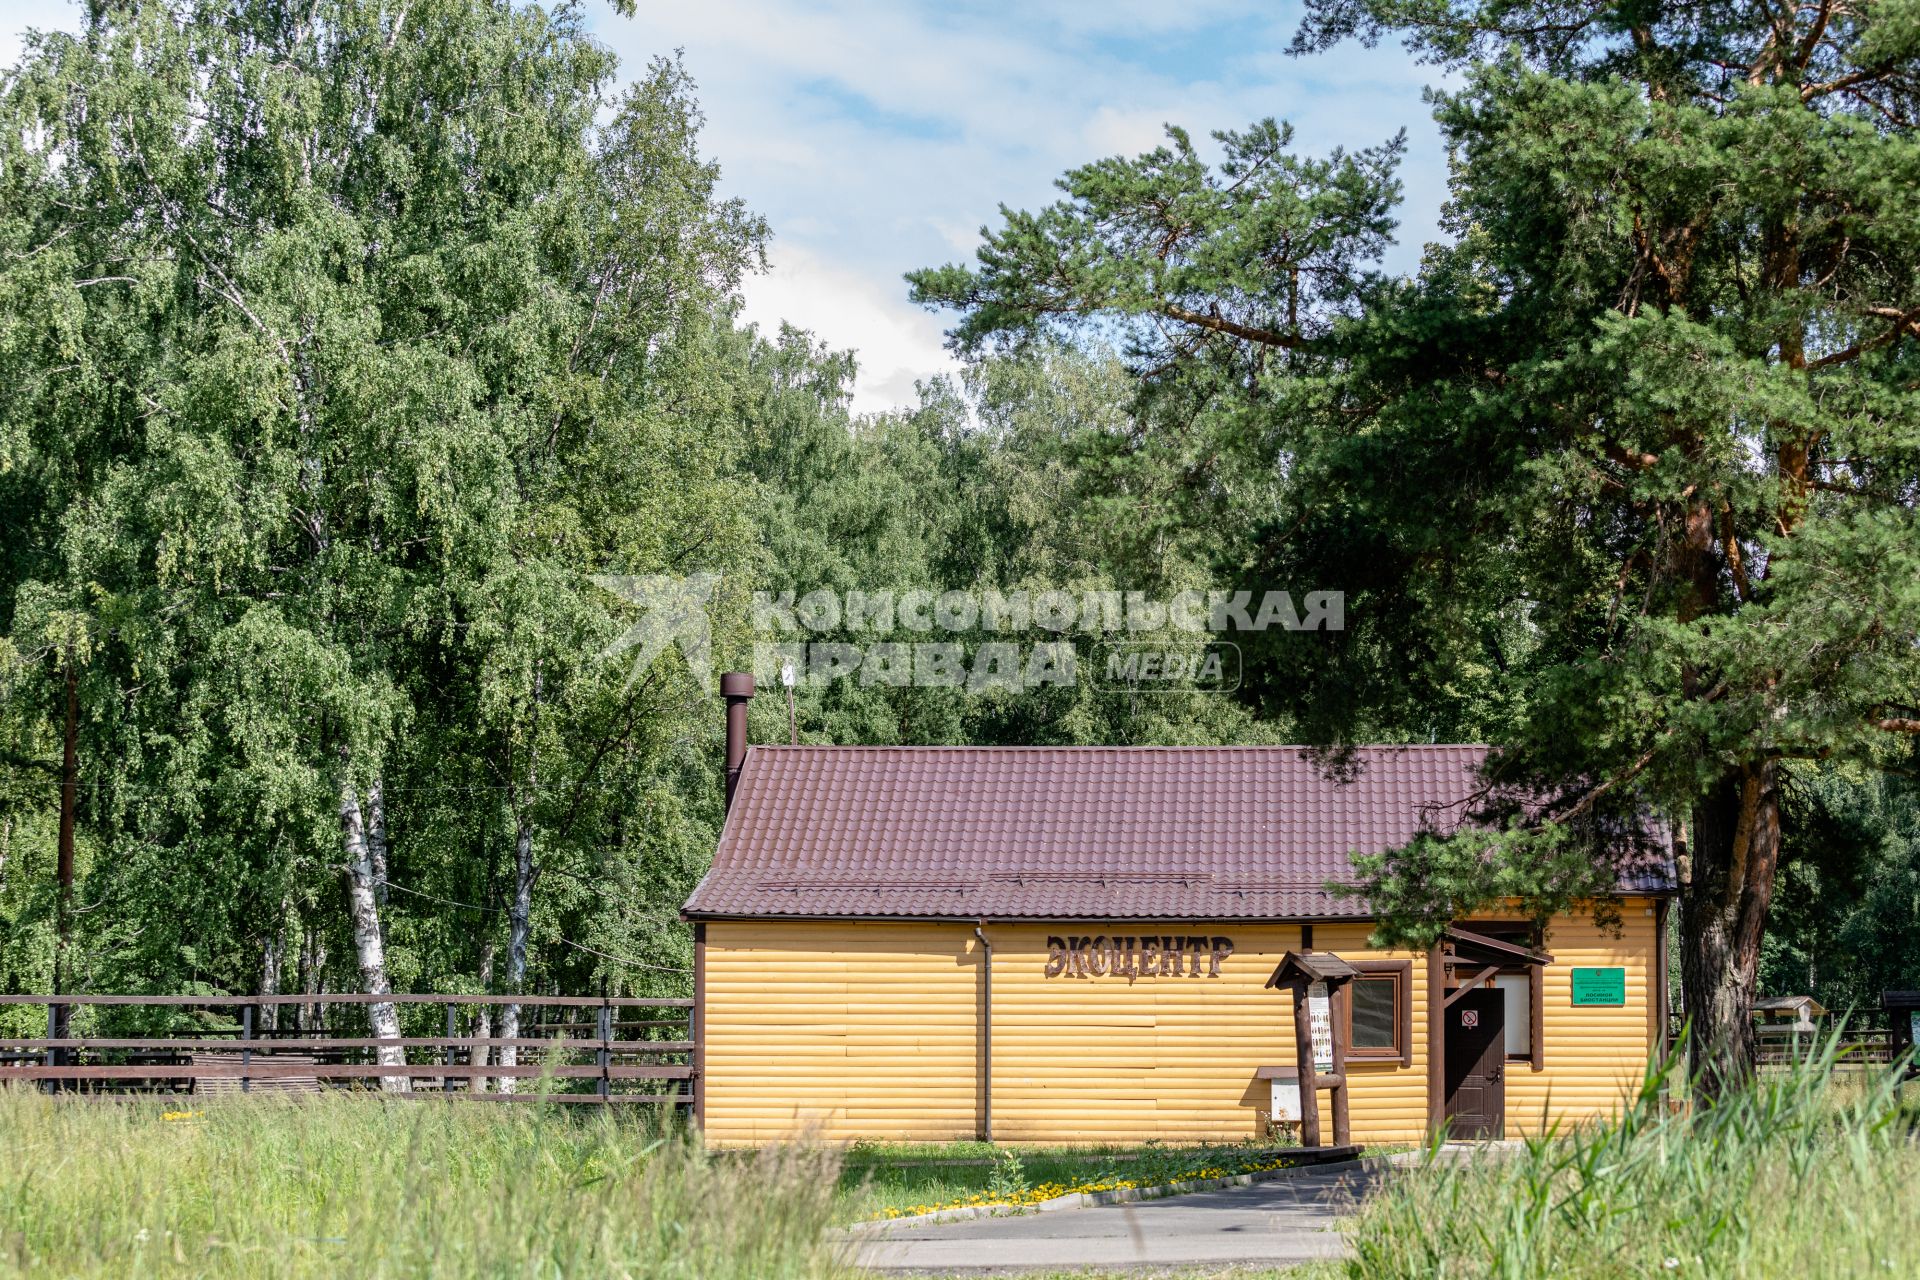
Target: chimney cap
{"x":736,"y":684}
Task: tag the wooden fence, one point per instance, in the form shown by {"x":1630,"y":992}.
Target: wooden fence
{"x":619,"y":1059}
{"x":1865,"y":1040}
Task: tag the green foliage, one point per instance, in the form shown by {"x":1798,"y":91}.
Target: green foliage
{"x":241,"y":1188}
{"x":1622,"y":482}
{"x":343,"y":348}
{"x":1663,"y":1191}
{"x":1009,"y":1176}
{"x":1266,"y":242}
{"x":1841,"y":928}
{"x":1033,"y":476}
{"x":343,"y":351}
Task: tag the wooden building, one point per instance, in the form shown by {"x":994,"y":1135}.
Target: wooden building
{"x":1075,"y":944}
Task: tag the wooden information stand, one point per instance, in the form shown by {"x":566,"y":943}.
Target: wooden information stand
{"x":1298,"y":972}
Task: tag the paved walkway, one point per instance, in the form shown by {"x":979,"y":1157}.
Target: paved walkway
{"x":1266,"y":1224}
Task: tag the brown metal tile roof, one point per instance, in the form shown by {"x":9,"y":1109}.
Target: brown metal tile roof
{"x":1149,"y":833}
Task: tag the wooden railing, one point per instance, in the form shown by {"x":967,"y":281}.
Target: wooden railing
{"x":600,"y":1067}
{"x":1865,"y":1040}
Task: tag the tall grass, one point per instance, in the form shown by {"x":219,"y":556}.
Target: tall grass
{"x":364,"y":1187}
{"x":1805,"y":1174}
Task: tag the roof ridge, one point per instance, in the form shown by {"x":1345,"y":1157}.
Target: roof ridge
{"x":1118,"y":746}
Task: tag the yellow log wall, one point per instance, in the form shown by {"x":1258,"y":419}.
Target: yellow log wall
{"x":868,"y":1029}
{"x":1595,"y":1055}
{"x":841,"y":1030}
{"x":1106,"y":1059}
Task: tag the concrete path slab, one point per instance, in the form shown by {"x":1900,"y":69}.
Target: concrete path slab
{"x":1267,"y":1224}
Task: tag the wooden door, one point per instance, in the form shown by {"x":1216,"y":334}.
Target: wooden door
{"x":1476,"y":1065}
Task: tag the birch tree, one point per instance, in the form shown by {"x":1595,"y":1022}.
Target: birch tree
{"x":344,"y":345}
{"x":363,"y":905}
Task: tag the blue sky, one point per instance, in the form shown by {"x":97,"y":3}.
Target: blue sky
{"x":879,"y":135}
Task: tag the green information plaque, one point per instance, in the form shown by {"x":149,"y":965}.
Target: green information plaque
{"x":1599,"y":986}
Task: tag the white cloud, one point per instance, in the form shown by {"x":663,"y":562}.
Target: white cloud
{"x":897,"y":342}
{"x":1124,"y":130}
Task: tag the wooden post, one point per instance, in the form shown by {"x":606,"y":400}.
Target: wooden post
{"x":1661,"y":1018}
{"x":246,"y":1052}
{"x":606,"y":1035}
{"x":697,"y":1026}
{"x":53,"y":1055}
{"x":63,"y":862}
{"x":1337,"y":997}
{"x":1309,"y":1077}
{"x":446,"y":1081}
{"x":1436,"y":1038}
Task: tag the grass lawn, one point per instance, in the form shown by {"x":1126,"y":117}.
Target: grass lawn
{"x":1812,"y":1173}
{"x":885,"y":1179}
{"x":1308,"y":1271}
{"x":1807,"y":1175}
{"x":366,"y":1187}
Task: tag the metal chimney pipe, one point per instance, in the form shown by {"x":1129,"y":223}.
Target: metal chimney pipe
{"x":737,"y":688}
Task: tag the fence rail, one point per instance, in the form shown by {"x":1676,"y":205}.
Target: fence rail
{"x":1865,"y":1040}
{"x":622,"y":1061}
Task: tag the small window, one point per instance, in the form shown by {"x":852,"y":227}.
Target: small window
{"x":1380,"y":1012}
{"x":1517,"y":990}
{"x":1373,"y":1008}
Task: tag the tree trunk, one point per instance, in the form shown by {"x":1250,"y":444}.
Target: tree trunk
{"x":483,"y":1019}
{"x":1735,"y":852}
{"x":377,"y":843}
{"x":365,"y":912}
{"x":520,"y":914}
{"x":519,"y":917}
{"x":313,"y":968}
{"x":270,"y":974}
{"x":63,"y":909}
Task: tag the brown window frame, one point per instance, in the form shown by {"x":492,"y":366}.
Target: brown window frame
{"x":1401,"y":971}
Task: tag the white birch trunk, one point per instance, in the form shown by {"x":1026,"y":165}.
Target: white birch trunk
{"x":313,"y":967}
{"x":483,"y":1020}
{"x":519,"y":918}
{"x":270,"y":975}
{"x":520,"y":914}
{"x":377,"y":843}
{"x":366,"y":931}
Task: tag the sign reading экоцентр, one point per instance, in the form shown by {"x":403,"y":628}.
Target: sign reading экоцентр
{"x":1599,"y":986}
{"x":1136,"y":957}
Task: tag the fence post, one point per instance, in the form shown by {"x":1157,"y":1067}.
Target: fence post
{"x":446,"y":1083}
{"x":246,"y":1052}
{"x":53,"y":1055}
{"x":606,"y":1035}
